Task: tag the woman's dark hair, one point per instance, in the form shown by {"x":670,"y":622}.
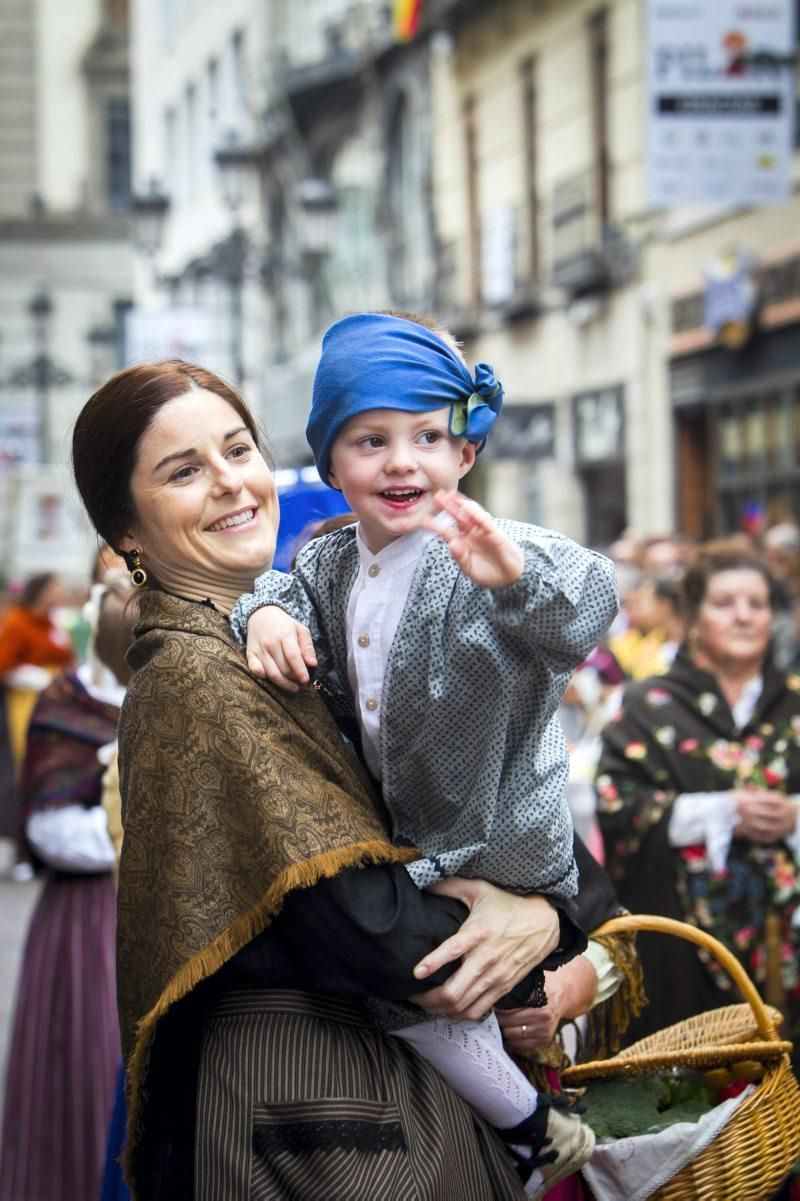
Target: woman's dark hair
{"x":34,"y":587}
{"x":111,"y":424}
{"x":710,"y":560}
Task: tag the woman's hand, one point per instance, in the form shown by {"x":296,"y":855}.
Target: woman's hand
{"x":570,"y":992}
{"x":479,"y":547}
{"x":503,"y":938}
{"x":764,"y":816}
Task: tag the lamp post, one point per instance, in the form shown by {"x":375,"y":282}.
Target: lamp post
{"x":236,"y":165}
{"x":317,"y":208}
{"x":150,"y":210}
{"x":40,"y":309}
{"x":41,"y":374}
{"x":101,"y":339}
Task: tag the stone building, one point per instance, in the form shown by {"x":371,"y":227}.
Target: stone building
{"x":624,"y":409}
{"x":324,"y":121}
{"x":65,"y":259}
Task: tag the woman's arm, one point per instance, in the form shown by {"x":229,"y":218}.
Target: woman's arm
{"x":364,"y":931}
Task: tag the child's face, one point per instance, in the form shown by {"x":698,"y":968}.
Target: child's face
{"x":389,"y":464}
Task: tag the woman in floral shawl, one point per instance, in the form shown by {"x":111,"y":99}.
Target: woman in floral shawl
{"x":697,"y":801}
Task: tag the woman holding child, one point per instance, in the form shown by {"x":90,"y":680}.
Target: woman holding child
{"x":260,"y":897}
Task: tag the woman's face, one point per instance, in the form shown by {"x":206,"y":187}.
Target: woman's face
{"x":205,"y":501}
{"x":734,"y":620}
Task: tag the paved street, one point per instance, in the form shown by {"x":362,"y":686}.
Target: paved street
{"x":16,"y":903}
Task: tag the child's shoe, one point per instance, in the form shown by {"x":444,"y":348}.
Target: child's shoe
{"x":549,"y":1145}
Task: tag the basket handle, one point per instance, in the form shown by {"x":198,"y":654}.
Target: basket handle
{"x":630,"y":923}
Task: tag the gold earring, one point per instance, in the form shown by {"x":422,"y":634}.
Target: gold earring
{"x":138,"y":573}
{"x":691,"y":639}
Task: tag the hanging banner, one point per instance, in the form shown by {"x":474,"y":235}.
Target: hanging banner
{"x":721,"y":77}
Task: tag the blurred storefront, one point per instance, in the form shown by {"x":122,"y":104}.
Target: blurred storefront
{"x":735,"y":391}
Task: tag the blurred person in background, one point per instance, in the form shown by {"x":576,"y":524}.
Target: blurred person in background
{"x":32,"y":649}
{"x":781,"y":544}
{"x":64,"y":1048}
{"x":590,"y":702}
{"x":697,"y":797}
{"x":663,"y":556}
{"x":649,"y":644}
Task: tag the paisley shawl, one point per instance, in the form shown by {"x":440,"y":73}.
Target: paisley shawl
{"x":234,"y":793}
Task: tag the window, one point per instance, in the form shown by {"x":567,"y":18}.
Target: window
{"x":171,"y":152}
{"x":531,"y":202}
{"x":470,"y":135}
{"x":212,"y":115}
{"x":118,"y":155}
{"x":212,"y":93}
{"x":757,"y":458}
{"x":598,"y":78}
{"x":238,"y":78}
{"x":192,"y":148}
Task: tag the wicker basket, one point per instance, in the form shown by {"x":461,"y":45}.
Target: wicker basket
{"x":753,"y":1153}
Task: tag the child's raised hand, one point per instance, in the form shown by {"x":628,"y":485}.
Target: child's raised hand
{"x":481,"y":550}
{"x":279,"y":648}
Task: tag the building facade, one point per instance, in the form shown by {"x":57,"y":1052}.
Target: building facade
{"x":65,"y":258}
{"x":625,"y":409}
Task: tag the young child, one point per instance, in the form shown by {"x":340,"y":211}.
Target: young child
{"x":453,"y":639}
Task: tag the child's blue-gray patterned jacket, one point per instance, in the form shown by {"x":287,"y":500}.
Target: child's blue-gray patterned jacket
{"x":473,"y":757}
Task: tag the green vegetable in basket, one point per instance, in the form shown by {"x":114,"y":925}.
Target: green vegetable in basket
{"x":687,"y":1111}
{"x":623,"y":1108}
{"x":645,"y":1104}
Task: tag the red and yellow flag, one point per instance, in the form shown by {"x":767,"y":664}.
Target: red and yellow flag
{"x":406,"y":14}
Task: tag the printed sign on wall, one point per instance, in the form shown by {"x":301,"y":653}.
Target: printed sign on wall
{"x":720,"y":101}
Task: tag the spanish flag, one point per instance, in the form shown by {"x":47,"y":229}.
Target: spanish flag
{"x":406,"y":16}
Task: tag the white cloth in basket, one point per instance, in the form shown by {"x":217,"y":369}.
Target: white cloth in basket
{"x":630,"y":1169}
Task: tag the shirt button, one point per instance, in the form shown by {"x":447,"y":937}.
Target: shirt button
{"x":372,"y":703}
{"x":363,"y":640}
{"x":374,"y":570}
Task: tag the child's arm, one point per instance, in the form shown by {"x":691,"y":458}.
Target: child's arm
{"x":279,"y":648}
{"x":280,"y":623}
{"x":556,"y":596}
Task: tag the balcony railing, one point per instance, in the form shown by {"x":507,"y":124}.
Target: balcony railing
{"x":577,"y":257}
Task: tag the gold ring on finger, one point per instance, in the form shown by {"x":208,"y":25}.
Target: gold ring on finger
{"x":524,"y":1029}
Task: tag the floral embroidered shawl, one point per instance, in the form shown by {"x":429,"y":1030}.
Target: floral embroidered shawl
{"x":676,"y":734}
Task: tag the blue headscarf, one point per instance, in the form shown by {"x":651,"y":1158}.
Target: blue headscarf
{"x":370,"y":361}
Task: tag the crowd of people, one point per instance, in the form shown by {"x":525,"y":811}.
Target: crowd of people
{"x":321,"y":983}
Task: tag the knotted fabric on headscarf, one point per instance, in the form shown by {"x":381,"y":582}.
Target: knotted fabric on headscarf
{"x":372,"y":361}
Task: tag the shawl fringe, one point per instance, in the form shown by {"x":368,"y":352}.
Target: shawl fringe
{"x":206,"y":962}
{"x":608,"y":1022}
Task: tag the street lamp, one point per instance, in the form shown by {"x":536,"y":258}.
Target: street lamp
{"x":101,"y":339}
{"x":149,"y":215}
{"x":317,"y":205}
{"x":236,"y":165}
{"x":40,"y":309}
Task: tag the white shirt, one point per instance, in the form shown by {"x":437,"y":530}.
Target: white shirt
{"x":710,"y":817}
{"x":374,"y":608}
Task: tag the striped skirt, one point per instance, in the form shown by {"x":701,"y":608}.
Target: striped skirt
{"x":302,"y":1099}
{"x":64,"y":1049}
